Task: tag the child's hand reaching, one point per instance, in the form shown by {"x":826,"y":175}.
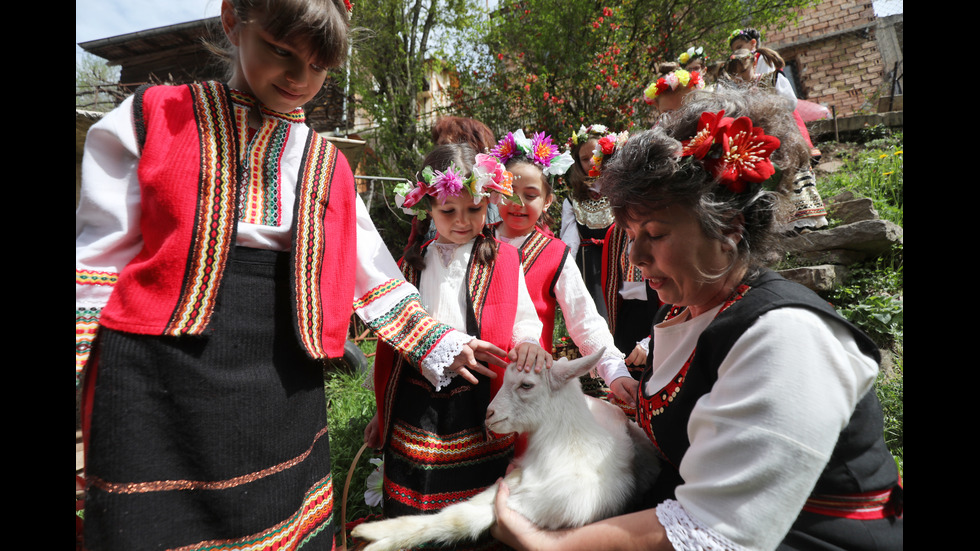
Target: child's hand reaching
{"x":466,"y":360}
{"x":625,"y":389}
{"x":638,"y":356}
{"x":530,"y":355}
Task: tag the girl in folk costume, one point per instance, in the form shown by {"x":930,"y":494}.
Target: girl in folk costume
{"x":552,"y":279}
{"x":801,"y":208}
{"x":630,"y":302}
{"x":431,"y":422}
{"x":768,"y":60}
{"x":585,"y":213}
{"x":220,"y":249}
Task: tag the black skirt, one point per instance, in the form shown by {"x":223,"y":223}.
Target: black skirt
{"x":216,"y":440}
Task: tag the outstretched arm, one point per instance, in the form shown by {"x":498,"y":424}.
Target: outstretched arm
{"x":641,"y":530}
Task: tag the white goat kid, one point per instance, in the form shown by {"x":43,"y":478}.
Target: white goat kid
{"x":584,"y":462}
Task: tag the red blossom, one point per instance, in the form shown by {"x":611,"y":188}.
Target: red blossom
{"x":708,"y":129}
{"x":746,"y":155}
{"x":607,"y":145}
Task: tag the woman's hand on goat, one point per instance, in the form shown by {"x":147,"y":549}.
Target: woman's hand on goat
{"x":466,"y":361}
{"x":529,"y":355}
{"x":511,"y":527}
{"x":625,"y":389}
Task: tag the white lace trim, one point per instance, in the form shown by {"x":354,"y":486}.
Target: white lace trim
{"x":598,"y":341}
{"x":686,"y":532}
{"x":442,"y":356}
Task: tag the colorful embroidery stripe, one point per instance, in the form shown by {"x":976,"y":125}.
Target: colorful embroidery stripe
{"x":262,"y":157}
{"x":866,"y":506}
{"x":295,"y":116}
{"x":378,"y":292}
{"x":313,"y":516}
{"x":426,"y":502}
{"x":478,"y":286}
{"x":91,"y":277}
{"x":532,"y":249}
{"x":308,"y":258}
{"x":216,"y":211}
{"x":430,"y":451}
{"x":86,"y":325}
{"x":409,"y":329}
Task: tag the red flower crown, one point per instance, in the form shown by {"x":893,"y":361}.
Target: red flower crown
{"x":733,"y":151}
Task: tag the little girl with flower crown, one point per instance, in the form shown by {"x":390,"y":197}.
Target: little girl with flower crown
{"x":585,"y":213}
{"x":551,"y":276}
{"x":431,"y":423}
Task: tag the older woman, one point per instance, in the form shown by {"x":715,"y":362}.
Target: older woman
{"x":757,"y":394}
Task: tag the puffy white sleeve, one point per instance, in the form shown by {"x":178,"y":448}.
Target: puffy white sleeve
{"x":392,"y":307}
{"x":761,"y":438}
{"x":785,"y":89}
{"x":107,"y":220}
{"x":569,"y":229}
{"x":589,"y":331}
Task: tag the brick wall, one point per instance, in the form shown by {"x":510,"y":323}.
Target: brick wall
{"x":833,"y":51}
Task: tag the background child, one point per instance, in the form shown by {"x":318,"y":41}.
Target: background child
{"x":800,"y":208}
{"x":693,"y":59}
{"x":585,"y":213}
{"x":551,"y":278}
{"x":228,"y":228}
{"x":437,"y":451}
{"x":667,"y":92}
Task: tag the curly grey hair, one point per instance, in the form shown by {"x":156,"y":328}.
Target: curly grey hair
{"x":647,"y":174}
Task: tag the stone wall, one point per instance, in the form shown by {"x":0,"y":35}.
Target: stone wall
{"x":833,"y":51}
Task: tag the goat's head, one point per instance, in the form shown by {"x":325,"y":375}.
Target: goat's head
{"x":527,"y":399}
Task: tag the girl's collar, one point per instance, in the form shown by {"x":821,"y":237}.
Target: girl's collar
{"x":246,"y":99}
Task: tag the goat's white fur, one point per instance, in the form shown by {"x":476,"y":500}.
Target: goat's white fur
{"x":584,"y":462}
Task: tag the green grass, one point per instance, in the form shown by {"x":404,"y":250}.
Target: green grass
{"x":874,"y":169}
{"x":872,"y":297}
{"x":349,"y":408}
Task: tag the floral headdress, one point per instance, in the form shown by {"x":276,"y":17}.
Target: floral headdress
{"x":746,"y":34}
{"x":488,"y":178}
{"x":583,"y":134}
{"x":678,"y":78}
{"x":691,"y":54}
{"x":539,"y":150}
{"x":607,"y":145}
{"x":734,"y":151}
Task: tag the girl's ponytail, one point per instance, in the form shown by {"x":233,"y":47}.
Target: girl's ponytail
{"x":485,"y":247}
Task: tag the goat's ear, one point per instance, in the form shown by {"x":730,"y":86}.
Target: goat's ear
{"x":564,"y":369}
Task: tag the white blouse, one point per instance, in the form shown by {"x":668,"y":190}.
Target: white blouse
{"x":442,"y":285}
{"x":764,"y":433}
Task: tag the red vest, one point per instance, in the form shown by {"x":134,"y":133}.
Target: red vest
{"x":543,"y":258}
{"x":491,"y":293}
{"x":189,"y":176}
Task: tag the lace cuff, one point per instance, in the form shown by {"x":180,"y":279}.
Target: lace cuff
{"x":434,"y":365}
{"x":686,"y":532}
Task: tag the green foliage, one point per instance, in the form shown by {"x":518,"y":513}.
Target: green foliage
{"x":388,"y":71}
{"x":349,"y":408}
{"x":552,"y":65}
{"x":873,"y":298}
{"x":96,"y":84}
{"x":877,"y":171}
{"x":890,"y":390}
